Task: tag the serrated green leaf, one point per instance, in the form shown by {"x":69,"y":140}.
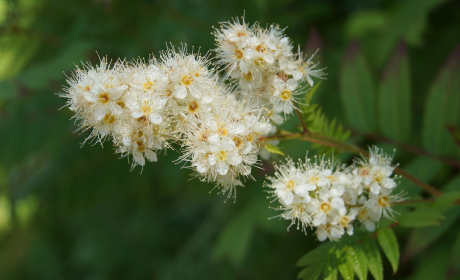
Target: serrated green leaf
{"x":421,"y":217}
{"x":420,"y":239}
{"x":374,"y":260}
{"x":394,"y":97}
{"x":389,"y":244}
{"x":345,"y":267}
{"x":357,"y":90}
{"x":273,"y":149}
{"x":356,"y":256}
{"x":317,"y":122}
{"x":330,"y":269}
{"x":311,"y":272}
{"x":442,"y":107}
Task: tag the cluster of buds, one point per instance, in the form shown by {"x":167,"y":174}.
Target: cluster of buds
{"x":263,"y":66}
{"x":146,"y":106}
{"x":332,"y":197}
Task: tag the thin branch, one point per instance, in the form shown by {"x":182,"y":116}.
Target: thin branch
{"x":418,"y":182}
{"x":413,"y":149}
{"x":330,"y":142}
{"x":414,"y":201}
{"x":304,"y":125}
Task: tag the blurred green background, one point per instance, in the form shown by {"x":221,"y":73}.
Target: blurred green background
{"x":72,"y":212}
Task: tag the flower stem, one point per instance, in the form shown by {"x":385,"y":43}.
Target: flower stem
{"x":412,"y":149}
{"x":304,"y":125}
{"x":333,"y":143}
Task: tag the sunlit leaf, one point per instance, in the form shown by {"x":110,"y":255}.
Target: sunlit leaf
{"x":356,"y":256}
{"x":389,"y":244}
{"x":374,"y":260}
{"x":345,"y":267}
{"x":273,"y":149}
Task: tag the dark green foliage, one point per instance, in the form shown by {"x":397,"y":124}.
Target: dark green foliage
{"x":421,"y":217}
{"x":71,"y":212}
{"x":443,"y":107}
{"x":394,"y":97}
{"x":357,"y":89}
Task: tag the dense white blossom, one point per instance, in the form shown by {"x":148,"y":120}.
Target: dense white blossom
{"x":146,"y":106}
{"x":332,"y":197}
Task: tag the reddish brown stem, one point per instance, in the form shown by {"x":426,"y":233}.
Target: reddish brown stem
{"x":413,"y":149}
{"x":304,"y":126}
{"x":329,"y":142}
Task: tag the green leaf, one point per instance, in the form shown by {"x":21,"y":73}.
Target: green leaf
{"x":234,"y":239}
{"x":317,"y":122}
{"x":408,"y":20}
{"x":39,"y":76}
{"x":360,"y":23}
{"x":389,"y":244}
{"x":273,"y":149}
{"x":422,"y":168}
{"x":319,"y":255}
{"x":442,"y":107}
{"x":452,"y":185}
{"x":394,"y":97}
{"x":456,"y":252}
{"x":345,"y":267}
{"x":356,"y":256}
{"x":357,"y":90}
{"x":447,"y":199}
{"x":311,"y":272}
{"x":420,"y":239}
{"x":374,"y":260}
{"x":421,"y":217}
{"x":330,"y":269}
{"x":309,"y":94}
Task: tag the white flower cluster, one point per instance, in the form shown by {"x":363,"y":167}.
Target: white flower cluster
{"x":332,"y":198}
{"x":262,"y":64}
{"x":144,"y":106}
